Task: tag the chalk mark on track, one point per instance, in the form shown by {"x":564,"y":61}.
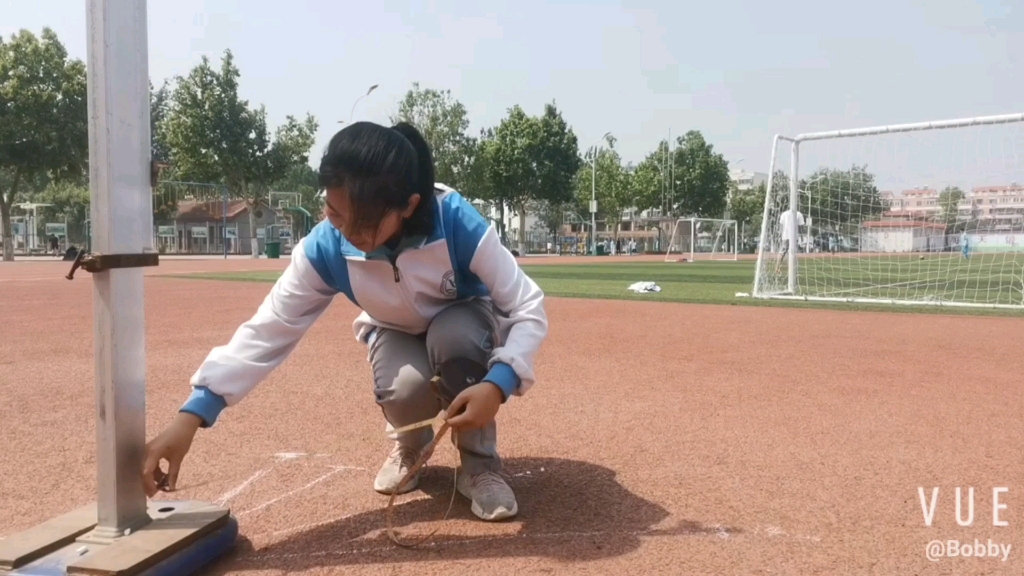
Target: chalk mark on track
{"x":334,"y":470}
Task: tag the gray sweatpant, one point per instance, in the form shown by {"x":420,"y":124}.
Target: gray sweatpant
{"x":403,"y":365}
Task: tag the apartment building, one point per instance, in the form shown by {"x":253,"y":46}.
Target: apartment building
{"x":995,"y":207}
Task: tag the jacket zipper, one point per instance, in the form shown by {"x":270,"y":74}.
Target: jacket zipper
{"x":394,"y":266}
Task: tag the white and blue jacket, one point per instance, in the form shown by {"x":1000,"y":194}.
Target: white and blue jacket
{"x":403,"y":289}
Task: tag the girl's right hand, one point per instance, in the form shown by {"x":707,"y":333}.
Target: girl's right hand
{"x":171,"y":445}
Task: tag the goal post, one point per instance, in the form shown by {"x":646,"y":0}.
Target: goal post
{"x":930,"y":213}
{"x":703,"y":239}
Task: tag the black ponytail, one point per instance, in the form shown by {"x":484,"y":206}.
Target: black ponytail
{"x":380,"y":169}
{"x":422,"y":219}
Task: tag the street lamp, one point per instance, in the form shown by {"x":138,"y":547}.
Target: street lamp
{"x":593,"y":197}
{"x":350,"y":116}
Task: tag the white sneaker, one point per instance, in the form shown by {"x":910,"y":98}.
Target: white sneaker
{"x":397,"y":465}
{"x":492,"y":498}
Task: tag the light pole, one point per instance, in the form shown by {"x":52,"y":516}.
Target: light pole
{"x":352,"y":115}
{"x":593,"y":197}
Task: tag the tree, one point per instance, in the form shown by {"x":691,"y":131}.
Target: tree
{"x":841,"y":197}
{"x":476,"y":184}
{"x":747,"y":209}
{"x":302,"y":178}
{"x":159,"y":102}
{"x":530,"y":159}
{"x":443,"y":121}
{"x":549,"y":215}
{"x":557,"y":157}
{"x":214,"y":136}
{"x":613,"y":189}
{"x":649,"y":180}
{"x":700,"y":178}
{"x":43,"y":118}
{"x":949,"y":206}
{"x":69,"y":202}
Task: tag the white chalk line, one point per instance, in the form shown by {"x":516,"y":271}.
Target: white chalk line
{"x":335,"y":470}
{"x":279,"y":457}
{"x":227,"y":496}
{"x":312,"y":525}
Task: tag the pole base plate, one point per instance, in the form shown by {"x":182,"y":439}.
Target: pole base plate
{"x":182,"y":538}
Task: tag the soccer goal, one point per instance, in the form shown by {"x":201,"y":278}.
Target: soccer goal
{"x":702,"y":239}
{"x":921,"y":214}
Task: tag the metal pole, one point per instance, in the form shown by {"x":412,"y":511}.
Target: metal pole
{"x":761,"y":248}
{"x":122,"y":213}
{"x":352,"y":114}
{"x":794,"y":206}
{"x":692,"y":226}
{"x":593,"y":205}
{"x":224,"y":224}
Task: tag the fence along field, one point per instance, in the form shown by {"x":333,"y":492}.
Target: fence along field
{"x":188,"y":218}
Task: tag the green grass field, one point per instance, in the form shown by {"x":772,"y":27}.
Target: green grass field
{"x":697,"y":282}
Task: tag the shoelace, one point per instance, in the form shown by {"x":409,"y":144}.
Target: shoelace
{"x":406,"y":456}
{"x":425,"y":455}
{"x":489,"y":481}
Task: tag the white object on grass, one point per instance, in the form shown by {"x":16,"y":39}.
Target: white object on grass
{"x":643,"y":287}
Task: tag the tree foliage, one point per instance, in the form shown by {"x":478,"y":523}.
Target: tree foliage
{"x":443,"y":121}
{"x":69,"y":202}
{"x":609,"y":181}
{"x":529,"y":159}
{"x":650,"y":179}
{"x":700,"y":178}
{"x":747,"y":209}
{"x":949,"y":205}
{"x":43,"y":118}
{"x":159,"y":102}
{"x":214,"y":136}
{"x":302,"y":178}
{"x":839,"y":198}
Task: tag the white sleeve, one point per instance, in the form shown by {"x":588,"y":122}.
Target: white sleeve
{"x":518,"y":296}
{"x":263,"y":342}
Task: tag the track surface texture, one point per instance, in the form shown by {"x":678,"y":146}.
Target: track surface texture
{"x":659,"y":439}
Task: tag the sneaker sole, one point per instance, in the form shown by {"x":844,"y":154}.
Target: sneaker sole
{"x":501,"y":513}
{"x":412,"y":485}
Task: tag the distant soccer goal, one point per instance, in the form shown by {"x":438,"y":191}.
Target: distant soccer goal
{"x":926,"y":214}
{"x":702,"y":239}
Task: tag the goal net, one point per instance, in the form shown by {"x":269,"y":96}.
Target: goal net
{"x":929,"y":213}
{"x":702,"y":239}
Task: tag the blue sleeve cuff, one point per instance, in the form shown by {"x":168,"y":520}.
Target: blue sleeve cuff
{"x":504,"y":377}
{"x":205,"y":404}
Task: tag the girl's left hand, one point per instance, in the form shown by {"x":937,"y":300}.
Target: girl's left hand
{"x":481,"y":402}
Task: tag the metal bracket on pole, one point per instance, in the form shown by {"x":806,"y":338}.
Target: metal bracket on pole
{"x":93,"y":262}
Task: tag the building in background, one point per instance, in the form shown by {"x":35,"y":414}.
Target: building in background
{"x":999,"y":208}
{"x":745,"y":180}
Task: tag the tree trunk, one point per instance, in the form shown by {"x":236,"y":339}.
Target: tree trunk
{"x":6,"y":200}
{"x":254,"y":243}
{"x":522,"y":230}
{"x":5,"y":223}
